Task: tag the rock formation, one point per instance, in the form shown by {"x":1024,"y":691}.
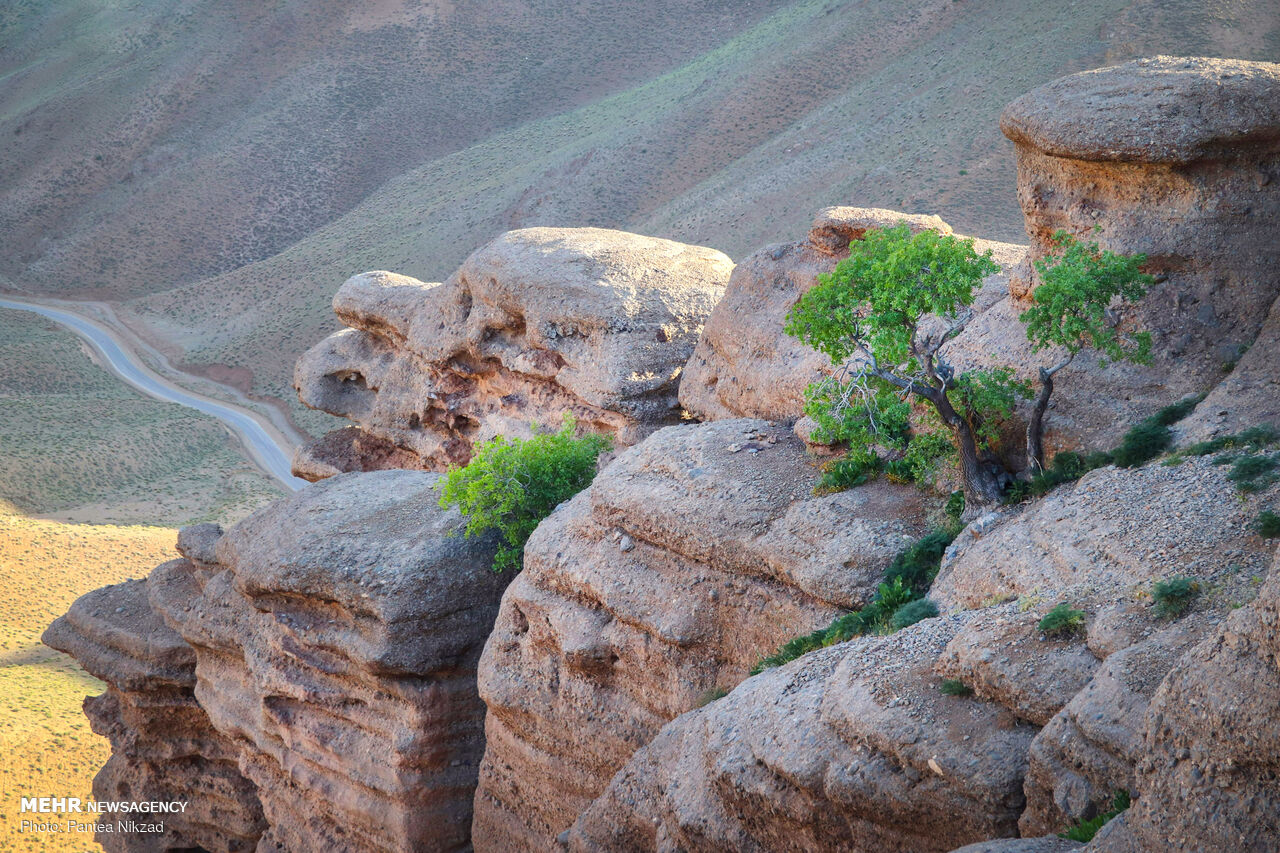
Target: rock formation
{"x":331,"y":640}
{"x":538,"y":323}
{"x":855,"y":747}
{"x":1179,"y":159}
{"x":163,"y":745}
{"x":744,"y":366}
{"x":690,"y":557}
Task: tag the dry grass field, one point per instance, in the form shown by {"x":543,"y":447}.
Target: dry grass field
{"x":46,"y":747}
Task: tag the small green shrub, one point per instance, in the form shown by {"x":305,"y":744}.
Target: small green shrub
{"x":917,"y":565}
{"x":847,"y":472}
{"x":1062,"y":621}
{"x":1267,"y":525}
{"x":1173,"y":596}
{"x":711,"y":696}
{"x":1085,"y":830}
{"x":955,"y":687}
{"x":954,"y":510}
{"x":1254,"y":473}
{"x":1174,"y":412}
{"x":510,"y":485}
{"x":1143,"y":443}
{"x":912,"y":612}
{"x":908,"y":577}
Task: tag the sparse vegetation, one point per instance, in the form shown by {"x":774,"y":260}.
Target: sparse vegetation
{"x":712,"y":695}
{"x":510,"y":485}
{"x":1152,"y":436}
{"x":954,"y":687}
{"x":1062,"y":621}
{"x":1085,"y":830}
{"x":902,"y":592}
{"x":1267,"y":525}
{"x":1174,"y":595}
{"x":1080,"y":283}
{"x":1254,"y":472}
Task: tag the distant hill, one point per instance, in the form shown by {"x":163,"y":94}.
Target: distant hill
{"x":223,"y":167}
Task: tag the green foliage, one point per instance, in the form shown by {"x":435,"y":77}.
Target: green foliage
{"x":1067,"y":466}
{"x":1173,"y":596}
{"x":1062,"y":621}
{"x":1079,"y":281}
{"x":1253,"y":439}
{"x":912,"y":612}
{"x":988,"y":396}
{"x":511,"y":485}
{"x":954,"y":510}
{"x":847,"y":472}
{"x":954,"y":687}
{"x":875,"y":297}
{"x":1143,"y":443}
{"x":711,"y":696}
{"x":1253,"y":473}
{"x":1267,"y":525}
{"x":1085,"y":830}
{"x":905,"y":583}
{"x":1174,"y":412}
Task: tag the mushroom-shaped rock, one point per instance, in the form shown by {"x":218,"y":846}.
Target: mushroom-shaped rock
{"x":1178,"y":159}
{"x":539,"y":323}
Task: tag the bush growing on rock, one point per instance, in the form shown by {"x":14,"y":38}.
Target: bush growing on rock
{"x":1173,"y":596}
{"x":954,"y":687}
{"x":1085,"y":830}
{"x":912,"y":612}
{"x":510,"y":485}
{"x":1062,"y":621}
{"x":1267,"y":525}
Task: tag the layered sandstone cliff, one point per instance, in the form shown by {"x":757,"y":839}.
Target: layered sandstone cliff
{"x":312,"y":683}
{"x":690,"y":556}
{"x":538,"y":323}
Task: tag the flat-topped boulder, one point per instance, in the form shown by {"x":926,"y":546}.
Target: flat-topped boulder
{"x":539,"y":323}
{"x":1164,"y":109}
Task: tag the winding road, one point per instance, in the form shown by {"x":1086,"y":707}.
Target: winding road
{"x":268,"y":453}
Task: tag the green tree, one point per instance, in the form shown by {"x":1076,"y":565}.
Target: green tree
{"x":1072,"y":311}
{"x":510,"y":485}
{"x":884,"y":316}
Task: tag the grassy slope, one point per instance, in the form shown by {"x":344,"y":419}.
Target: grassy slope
{"x":79,"y":444}
{"x":46,"y":747}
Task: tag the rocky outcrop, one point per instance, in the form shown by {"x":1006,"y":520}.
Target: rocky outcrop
{"x":849,"y":748}
{"x":744,"y":365}
{"x":690,"y":557}
{"x":1179,"y":159}
{"x":1210,"y":754}
{"x":328,"y":646}
{"x":1113,"y":529}
{"x":539,"y":323}
{"x":163,"y":746}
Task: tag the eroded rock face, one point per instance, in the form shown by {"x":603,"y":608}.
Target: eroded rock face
{"x":163,"y":745}
{"x":1113,"y":529}
{"x":1211,"y":748}
{"x":307,"y":679}
{"x":744,"y":366}
{"x":690,"y":556}
{"x":538,"y":323}
{"x":1177,"y":158}
{"x":336,"y":634}
{"x":848,"y":748}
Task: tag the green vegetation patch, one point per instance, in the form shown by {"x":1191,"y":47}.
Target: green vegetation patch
{"x":1085,"y":830}
{"x":1267,"y":525}
{"x":954,"y":687}
{"x":1174,"y":595}
{"x":1062,"y":621}
{"x":510,"y":485}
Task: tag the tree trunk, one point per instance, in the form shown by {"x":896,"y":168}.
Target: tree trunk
{"x":1035,"y":426}
{"x":981,"y":487}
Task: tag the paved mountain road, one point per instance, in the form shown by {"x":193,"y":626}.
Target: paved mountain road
{"x":270,"y":454}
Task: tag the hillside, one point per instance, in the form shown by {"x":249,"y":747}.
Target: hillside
{"x":224,"y":172}
{"x":80,"y":445}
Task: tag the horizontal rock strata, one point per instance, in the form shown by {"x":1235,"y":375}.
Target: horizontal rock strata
{"x":538,"y":323}
{"x":691,"y":556}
